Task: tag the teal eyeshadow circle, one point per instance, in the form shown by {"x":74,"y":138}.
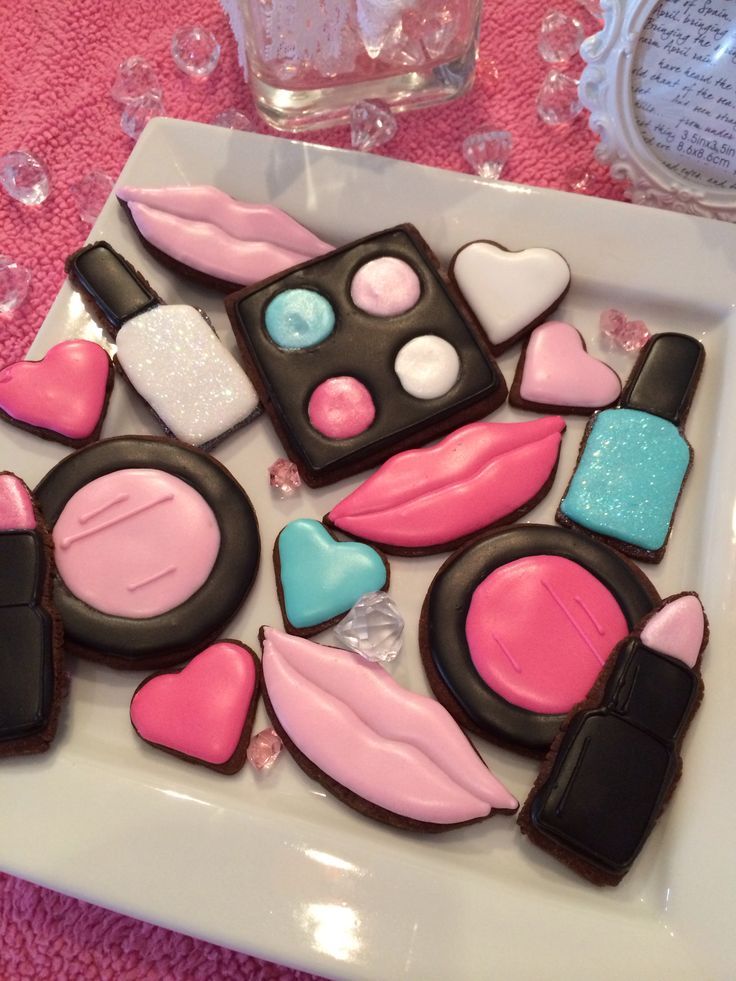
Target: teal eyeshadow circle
{"x":296,"y":319}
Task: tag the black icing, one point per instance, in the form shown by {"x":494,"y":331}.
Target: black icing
{"x":447,"y":607}
{"x":27,"y":676}
{"x":365,"y":347}
{"x":22,"y":568}
{"x":616,"y":764}
{"x":111,"y":283}
{"x":168,"y":638}
{"x":665,"y":376}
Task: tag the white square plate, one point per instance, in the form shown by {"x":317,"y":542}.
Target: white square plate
{"x":269,"y":864}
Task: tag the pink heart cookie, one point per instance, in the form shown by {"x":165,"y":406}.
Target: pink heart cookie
{"x":63,"y":396}
{"x":204,"y":712}
{"x":556,"y":372}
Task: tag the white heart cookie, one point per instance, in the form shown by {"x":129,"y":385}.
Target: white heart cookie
{"x":509,"y":291}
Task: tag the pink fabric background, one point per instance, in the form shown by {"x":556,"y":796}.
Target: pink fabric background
{"x":57,"y":65}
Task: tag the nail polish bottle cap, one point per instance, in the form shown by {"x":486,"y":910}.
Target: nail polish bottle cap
{"x":116,"y":288}
{"x":665,"y":377}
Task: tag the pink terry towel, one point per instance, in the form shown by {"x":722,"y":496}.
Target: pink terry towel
{"x":56,"y":69}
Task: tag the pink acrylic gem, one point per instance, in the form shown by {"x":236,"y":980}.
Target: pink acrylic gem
{"x":264,"y":749}
{"x":284,"y":477}
{"x":631,"y":335}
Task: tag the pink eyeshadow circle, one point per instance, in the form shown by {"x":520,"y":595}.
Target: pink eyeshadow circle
{"x":341,"y":407}
{"x":539,"y":630}
{"x":385,"y":287}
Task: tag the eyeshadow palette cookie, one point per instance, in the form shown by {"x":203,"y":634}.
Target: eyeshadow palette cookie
{"x":436,"y":498}
{"x":168,"y":352}
{"x":206,"y":235}
{"x":612,"y":769}
{"x":391,"y":754}
{"x":204,"y":712}
{"x":517,"y":626}
{"x":156,"y":546}
{"x":363,"y":353}
{"x":63,"y":396}
{"x":509,"y":292}
{"x":32,"y":682}
{"x":634,"y":458}
{"x":318,"y":578}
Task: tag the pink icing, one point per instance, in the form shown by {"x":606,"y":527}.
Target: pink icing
{"x":677,"y":629}
{"x":385,"y":287}
{"x":201,"y":710}
{"x":64,"y":392}
{"x":472,"y":478}
{"x":341,"y":407}
{"x":16,"y":506}
{"x":394,"y":748}
{"x":136,"y":543}
{"x":539,"y":630}
{"x":206,"y":229}
{"x":559,"y":371}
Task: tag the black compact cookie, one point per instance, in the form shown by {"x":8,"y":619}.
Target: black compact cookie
{"x":157,"y":546}
{"x":32,"y":681}
{"x":362,"y":353}
{"x":517,"y":626}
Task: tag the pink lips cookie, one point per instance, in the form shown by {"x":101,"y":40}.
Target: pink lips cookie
{"x":431,"y":499}
{"x":556,"y":373}
{"x":61,"y":397}
{"x":204,"y":712}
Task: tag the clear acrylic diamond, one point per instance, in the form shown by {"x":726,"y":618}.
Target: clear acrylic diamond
{"x":90,"y":194}
{"x":488,"y":152}
{"x":560,"y":37}
{"x":135,"y":78}
{"x":14,"y":283}
{"x":593,"y":7}
{"x":283,"y":476}
{"x":372,"y":124}
{"x":557,"y":102}
{"x":137,"y":114}
{"x":233,"y":119}
{"x":264,"y":749}
{"x":24,"y":177}
{"x":578,"y":178}
{"x":374,"y":628}
{"x":195,"y":51}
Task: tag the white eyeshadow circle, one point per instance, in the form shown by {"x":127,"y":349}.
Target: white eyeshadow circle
{"x":427,"y":366}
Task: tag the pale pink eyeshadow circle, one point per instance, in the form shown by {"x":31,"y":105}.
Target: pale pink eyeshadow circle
{"x":539,"y":630}
{"x":341,"y":407}
{"x":136,"y":543}
{"x":385,"y":287}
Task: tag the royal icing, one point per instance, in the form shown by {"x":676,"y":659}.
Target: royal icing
{"x":205,"y":229}
{"x":392,"y":747}
{"x":558,"y":371}
{"x":136,"y":543}
{"x":385,"y":287}
{"x":341,"y":407}
{"x":201,"y":710}
{"x":65,"y":392}
{"x":427,"y":367}
{"x":176,"y":362}
{"x":16,"y":506}
{"x":677,"y":629}
{"x":296,"y":319}
{"x":543,"y":670}
{"x":628,"y":478}
{"x":473,"y":478}
{"x":321,"y":578}
{"x":509,"y":291}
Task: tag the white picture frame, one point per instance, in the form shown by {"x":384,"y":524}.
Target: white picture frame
{"x":660,"y":85}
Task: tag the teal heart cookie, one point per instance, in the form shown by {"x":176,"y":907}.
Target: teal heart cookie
{"x":320,"y":578}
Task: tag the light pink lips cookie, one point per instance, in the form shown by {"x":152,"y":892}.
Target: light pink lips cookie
{"x":203,"y":711}
{"x":557,"y":372}
{"x":476,"y":477}
{"x":64,"y":394}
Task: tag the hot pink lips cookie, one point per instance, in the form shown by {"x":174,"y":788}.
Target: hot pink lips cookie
{"x":204,"y":712}
{"x":556,"y":373}
{"x":63,"y":396}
